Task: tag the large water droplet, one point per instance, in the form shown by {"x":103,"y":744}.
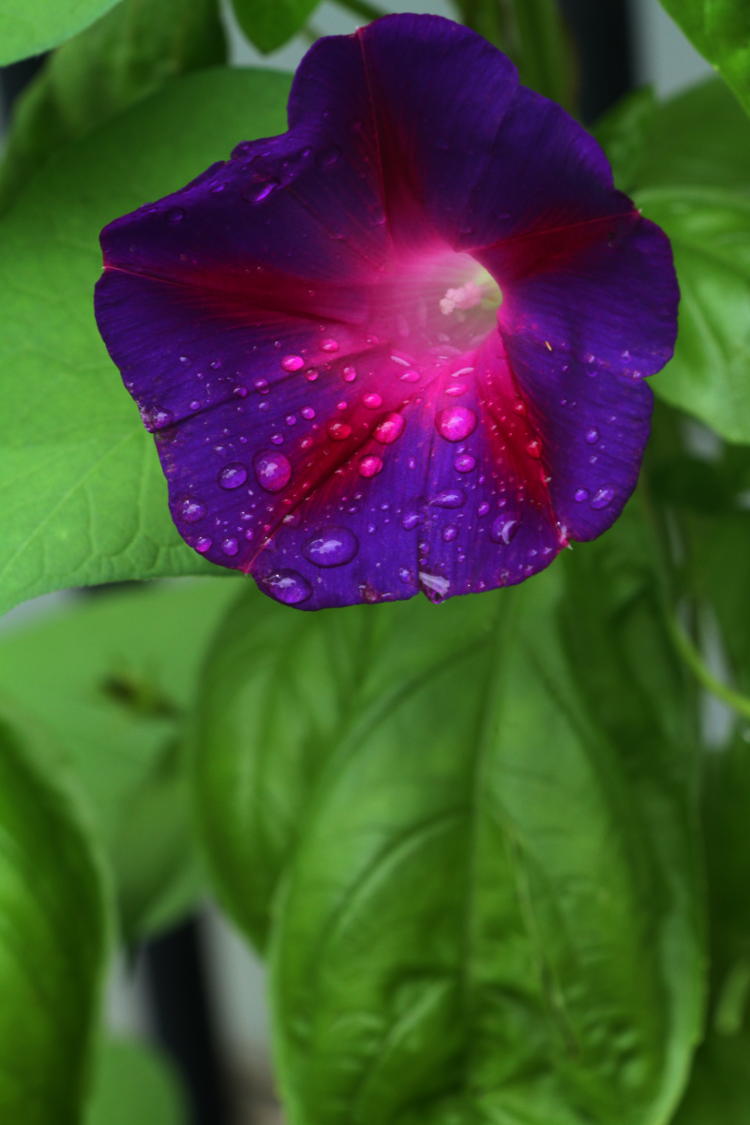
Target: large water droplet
{"x":273,"y":471}
{"x":464,"y":463}
{"x":332,"y":547}
{"x":370,"y":466}
{"x":233,"y":476}
{"x":390,"y":429}
{"x":292,"y":362}
{"x":603,"y":497}
{"x":230,"y":547}
{"x":504,"y":528}
{"x":192,"y":511}
{"x":287,"y":586}
{"x":203,"y":544}
{"x":450,"y":498}
{"x":456,"y":422}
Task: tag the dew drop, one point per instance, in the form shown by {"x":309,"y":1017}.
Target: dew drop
{"x":449,"y":533}
{"x":592,"y":436}
{"x":175,"y":215}
{"x":603,"y":497}
{"x":580,"y":495}
{"x":262,"y":191}
{"x":390,"y":429}
{"x":192,"y":511}
{"x":292,"y":362}
{"x":534,"y":448}
{"x":233,"y":476}
{"x":372,"y":401}
{"x":451,"y":498}
{"x":456,"y":422}
{"x":287,"y":586}
{"x":370,"y":466}
{"x":329,"y":345}
{"x":332,"y":547}
{"x":308,"y":412}
{"x":350,"y":374}
{"x":230,"y":547}
{"x":464,"y":463}
{"x":504,"y":528}
{"x":261,"y":386}
{"x":203,"y":544}
{"x":312,"y":375}
{"x":410,"y":376}
{"x":410,"y":520}
{"x":273,"y":471}
{"x":339,"y":431}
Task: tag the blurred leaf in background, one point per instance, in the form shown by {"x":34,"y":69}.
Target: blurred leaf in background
{"x":687,"y":163}
{"x":133,"y":1085}
{"x":720,"y":29}
{"x":129,"y":53}
{"x":52,"y":943}
{"x":102,"y":689}
{"x":444,"y":942}
{"x":83,"y":497}
{"x":28,"y":27}
{"x":270,"y":23}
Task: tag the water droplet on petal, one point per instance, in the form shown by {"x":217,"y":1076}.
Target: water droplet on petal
{"x":372,"y":401}
{"x":203,"y":544}
{"x":192,"y":511}
{"x":350,"y":374}
{"x":410,"y":520}
{"x":230,"y":547}
{"x":370,"y":466}
{"x":456,"y":422}
{"x":456,"y":389}
{"x":292,"y":362}
{"x":261,"y":191}
{"x":449,"y":533}
{"x":592,"y":436}
{"x":603,"y":497}
{"x":534,"y":448}
{"x":273,"y":471}
{"x":451,"y":498}
{"x":287,"y":586}
{"x":329,"y":345}
{"x":464,"y":463}
{"x":175,"y":215}
{"x":504,"y":528}
{"x":233,"y":476}
{"x":308,"y":412}
{"x":410,"y":377}
{"x":390,"y":429}
{"x":580,"y":495}
{"x":339,"y":431}
{"x":332,"y":547}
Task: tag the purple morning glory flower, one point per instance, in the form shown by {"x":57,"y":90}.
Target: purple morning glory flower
{"x":402,"y":346}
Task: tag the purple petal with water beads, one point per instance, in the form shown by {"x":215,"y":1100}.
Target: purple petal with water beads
{"x":311,"y":329}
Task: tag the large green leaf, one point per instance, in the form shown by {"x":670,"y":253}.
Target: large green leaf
{"x":81,"y":491}
{"x":687,"y":163}
{"x":720,"y":29}
{"x":129,"y":53}
{"x":270,"y":23}
{"x":482,"y":909}
{"x":719,"y":1090}
{"x":710,"y":232}
{"x":133,"y":1085}
{"x":117,"y":676}
{"x":28,"y":27}
{"x":51,"y":947}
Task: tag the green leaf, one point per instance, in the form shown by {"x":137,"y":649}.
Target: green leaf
{"x":481,"y":909}
{"x":81,"y":491}
{"x":710,"y":232}
{"x":28,"y":27}
{"x":134,"y":1084}
{"x":117,"y":674}
{"x":51,"y":947}
{"x":270,"y":23}
{"x":129,"y":53}
{"x":719,"y":1090}
{"x":720,"y":29}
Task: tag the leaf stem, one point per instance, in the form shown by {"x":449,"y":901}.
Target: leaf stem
{"x":692,"y":657}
